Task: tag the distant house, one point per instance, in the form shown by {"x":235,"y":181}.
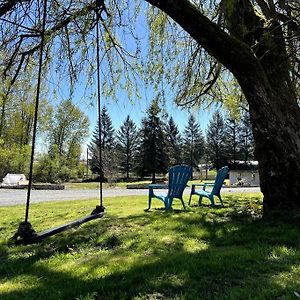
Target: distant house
{"x":14,"y":180}
{"x":244,"y":174}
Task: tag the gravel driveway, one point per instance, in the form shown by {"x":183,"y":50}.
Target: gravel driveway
{"x":12,"y":197}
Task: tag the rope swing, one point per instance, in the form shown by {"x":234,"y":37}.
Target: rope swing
{"x":25,"y":233}
{"x":99,"y":208}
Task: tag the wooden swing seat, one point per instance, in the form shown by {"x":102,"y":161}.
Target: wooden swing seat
{"x":40,"y":236}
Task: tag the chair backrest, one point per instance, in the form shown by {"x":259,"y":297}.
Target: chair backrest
{"x":221,"y":175}
{"x":178,"y":178}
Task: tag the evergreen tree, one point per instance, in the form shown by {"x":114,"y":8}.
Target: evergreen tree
{"x":232,"y":129}
{"x":127,"y":145}
{"x":108,"y":132}
{"x":193,"y":148}
{"x":173,"y":139}
{"x":216,"y":141}
{"x":152,"y":157}
{"x":109,"y":162}
{"x":246,"y":138}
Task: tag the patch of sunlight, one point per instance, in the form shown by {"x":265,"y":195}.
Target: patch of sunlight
{"x":220,"y":233}
{"x":288,"y":279}
{"x":171,"y":279}
{"x":19,"y":283}
{"x":194,"y":245}
{"x":74,"y":265}
{"x":117,"y":265}
{"x":105,"y":265}
{"x":152,"y":296}
{"x":156,"y":296}
{"x":280,"y":252}
{"x":198,"y":231}
{"x":86,"y":267}
{"x":168,"y":240}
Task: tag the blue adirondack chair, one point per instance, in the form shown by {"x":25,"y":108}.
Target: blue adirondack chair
{"x":216,"y":188}
{"x":178,"y":178}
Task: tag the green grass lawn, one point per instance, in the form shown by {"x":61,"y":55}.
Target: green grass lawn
{"x":201,"y":253}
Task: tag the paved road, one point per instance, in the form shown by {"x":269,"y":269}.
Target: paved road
{"x":10,"y":197}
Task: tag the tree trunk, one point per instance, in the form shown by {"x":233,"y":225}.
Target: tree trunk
{"x":192,"y":173}
{"x":153,"y":177}
{"x":2,"y":116}
{"x":275,"y":120}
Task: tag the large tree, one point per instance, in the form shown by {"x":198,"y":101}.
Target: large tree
{"x":232,"y":140}
{"x":153,"y":148}
{"x":216,"y":141}
{"x":127,"y":143}
{"x":246,"y":138}
{"x":108,"y":147}
{"x":257,"y":41}
{"x":67,"y":130}
{"x":193,"y":143}
{"x":174,"y":143}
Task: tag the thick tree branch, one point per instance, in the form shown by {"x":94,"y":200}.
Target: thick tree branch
{"x":232,"y":53}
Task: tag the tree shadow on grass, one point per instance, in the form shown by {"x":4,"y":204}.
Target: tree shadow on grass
{"x":234,"y":256}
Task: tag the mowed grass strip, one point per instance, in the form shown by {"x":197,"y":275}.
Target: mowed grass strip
{"x":201,"y":253}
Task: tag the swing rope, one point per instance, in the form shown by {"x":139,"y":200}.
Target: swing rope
{"x":25,"y":230}
{"x":99,"y":109}
{"x":37,"y":100}
{"x":99,"y":208}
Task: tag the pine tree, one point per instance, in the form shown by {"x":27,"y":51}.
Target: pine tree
{"x":173,"y":139}
{"x":246,"y":138}
{"x":107,"y":135}
{"x":107,"y":145}
{"x":152,"y":157}
{"x":193,"y":147}
{"x":127,"y":145}
{"x":232,"y":140}
{"x":216,"y":141}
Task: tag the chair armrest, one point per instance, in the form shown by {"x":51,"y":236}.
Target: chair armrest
{"x":204,"y":185}
{"x":158,"y":186}
{"x":198,"y":184}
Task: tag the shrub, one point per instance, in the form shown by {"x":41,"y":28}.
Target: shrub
{"x":14,"y":159}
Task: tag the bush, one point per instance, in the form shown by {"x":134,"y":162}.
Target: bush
{"x":14,"y":159}
{"x":55,"y":169}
